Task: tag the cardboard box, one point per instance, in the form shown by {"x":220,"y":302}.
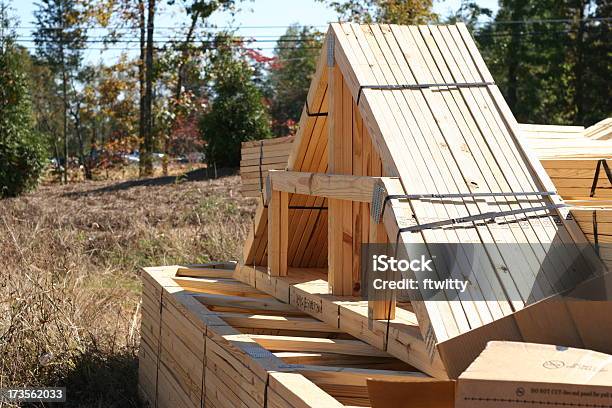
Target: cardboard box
{"x":525,"y":375}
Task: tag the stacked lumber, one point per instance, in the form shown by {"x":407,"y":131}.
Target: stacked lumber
{"x":411,"y":142}
{"x":574,"y":160}
{"x":417,"y":109}
{"x":570,"y":159}
{"x":209,"y":340}
{"x":551,"y":142}
{"x":601,"y":130}
{"x":257,"y":158}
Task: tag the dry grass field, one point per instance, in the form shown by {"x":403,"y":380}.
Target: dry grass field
{"x":69,"y":285}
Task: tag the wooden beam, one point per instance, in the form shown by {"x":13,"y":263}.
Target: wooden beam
{"x":297,"y":391}
{"x":334,"y":148}
{"x":278,"y":232}
{"x":309,"y":294}
{"x":240,"y":302}
{"x":355,"y":376}
{"x":277,"y":322}
{"x":405,"y":394}
{"x":338,"y":186}
{"x":303,"y":344}
{"x":381,"y":304}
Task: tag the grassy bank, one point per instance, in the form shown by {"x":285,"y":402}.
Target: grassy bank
{"x":69,"y":286}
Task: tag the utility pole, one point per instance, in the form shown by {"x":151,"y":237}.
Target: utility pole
{"x":148,"y":136}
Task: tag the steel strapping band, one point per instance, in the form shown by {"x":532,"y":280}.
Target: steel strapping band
{"x":427,"y":196}
{"x":422,"y":86}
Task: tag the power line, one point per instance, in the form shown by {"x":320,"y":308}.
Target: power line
{"x":494,"y":22}
{"x":32,"y":47}
{"x":546,"y":21}
{"x":169,"y":27}
{"x":244,"y":42}
{"x":162,"y":40}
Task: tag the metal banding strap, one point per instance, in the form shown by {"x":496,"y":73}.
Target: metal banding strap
{"x":315,"y":114}
{"x":595,"y":233}
{"x":422,"y":86}
{"x":451,"y":195}
{"x":484,"y":216}
{"x":261,"y":187}
{"x":302,"y":207}
{"x":601,"y":163}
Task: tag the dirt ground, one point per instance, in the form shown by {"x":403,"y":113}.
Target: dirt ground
{"x":69,"y":285}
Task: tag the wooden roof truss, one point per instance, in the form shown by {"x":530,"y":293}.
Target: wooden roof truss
{"x":407,"y":111}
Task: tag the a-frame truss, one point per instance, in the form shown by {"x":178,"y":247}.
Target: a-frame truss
{"x":408,"y":111}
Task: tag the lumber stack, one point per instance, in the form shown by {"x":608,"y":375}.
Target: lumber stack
{"x":600,"y":131}
{"x":574,"y":159}
{"x":257,"y":158}
{"x":209,"y":340}
{"x":411,"y":142}
{"x":417,"y":109}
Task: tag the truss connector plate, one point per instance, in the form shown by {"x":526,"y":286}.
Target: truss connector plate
{"x":331,"y":44}
{"x":378,"y":197}
{"x":258,"y":352}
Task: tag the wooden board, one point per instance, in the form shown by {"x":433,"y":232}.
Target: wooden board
{"x":260,"y":156}
{"x":437,"y":140}
{"x":571,"y":156}
{"x":257,"y":355}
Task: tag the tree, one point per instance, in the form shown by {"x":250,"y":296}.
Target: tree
{"x":141,"y":80}
{"x":290,"y":75}
{"x":146,"y":147}
{"x":597,"y":97}
{"x":59,"y":42}
{"x":384,"y":11}
{"x":198,"y":12}
{"x":549,"y":59}
{"x":22,"y":152}
{"x":237,"y":112}
{"x":47,"y":107}
{"x":469,"y":12}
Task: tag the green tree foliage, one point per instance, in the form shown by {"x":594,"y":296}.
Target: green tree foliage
{"x":22,"y":154}
{"x":384,"y":11}
{"x":552,"y":59}
{"x":290,"y":75}
{"x":237,"y":112}
{"x":469,"y":13}
{"x":59,"y":42}
{"x":60,"y":36}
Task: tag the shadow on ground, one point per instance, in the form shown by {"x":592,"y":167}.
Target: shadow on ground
{"x":102,"y":380}
{"x":194,"y":175}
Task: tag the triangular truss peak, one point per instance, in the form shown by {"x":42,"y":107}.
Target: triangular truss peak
{"x":413,"y":111}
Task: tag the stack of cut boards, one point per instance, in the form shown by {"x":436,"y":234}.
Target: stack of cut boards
{"x":573,"y":157}
{"x":420,"y":101}
{"x":600,"y":131}
{"x":211,"y":341}
{"x":259,"y":156}
{"x":394,"y":106}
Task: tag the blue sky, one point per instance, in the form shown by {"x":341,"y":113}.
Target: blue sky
{"x":264,"y":19}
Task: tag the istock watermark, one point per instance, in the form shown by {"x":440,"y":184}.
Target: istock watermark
{"x":478,"y":272}
{"x":398,"y":267}
{"x":384,"y":263}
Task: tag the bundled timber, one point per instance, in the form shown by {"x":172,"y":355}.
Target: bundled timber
{"x":419,"y":106}
{"x":571,"y":159}
{"x":601,"y":130}
{"x":576,"y":161}
{"x":404,"y":138}
{"x":257,"y":158}
{"x":211,"y":341}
